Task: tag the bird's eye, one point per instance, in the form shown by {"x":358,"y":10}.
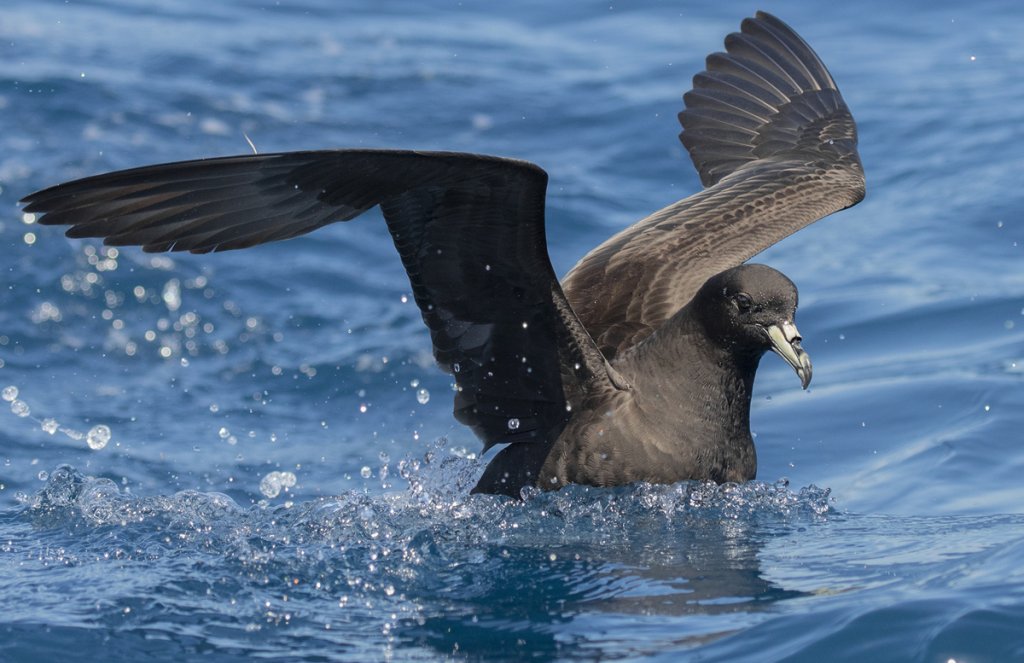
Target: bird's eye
{"x":743,"y":302}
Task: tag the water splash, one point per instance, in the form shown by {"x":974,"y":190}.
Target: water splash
{"x":436,"y":493}
{"x":97,"y":438}
{"x":410,"y":560}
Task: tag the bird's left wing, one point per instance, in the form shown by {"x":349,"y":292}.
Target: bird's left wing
{"x":776,"y":149}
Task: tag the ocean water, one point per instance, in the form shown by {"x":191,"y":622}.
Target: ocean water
{"x":251,"y":455}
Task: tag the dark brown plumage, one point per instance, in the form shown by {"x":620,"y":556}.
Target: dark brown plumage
{"x":639,"y":366}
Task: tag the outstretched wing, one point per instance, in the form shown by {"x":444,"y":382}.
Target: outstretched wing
{"x":776,"y":147}
{"x":469,"y":229}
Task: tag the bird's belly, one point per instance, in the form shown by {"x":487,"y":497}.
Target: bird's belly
{"x":617,"y":448}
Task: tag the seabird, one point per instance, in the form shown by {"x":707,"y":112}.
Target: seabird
{"x":639,"y":365}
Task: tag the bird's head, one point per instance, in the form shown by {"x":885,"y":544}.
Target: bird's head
{"x":751,"y":309}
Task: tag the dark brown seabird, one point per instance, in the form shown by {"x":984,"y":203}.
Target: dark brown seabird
{"x":639,"y":366}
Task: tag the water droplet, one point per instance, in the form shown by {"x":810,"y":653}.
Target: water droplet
{"x":270,"y":485}
{"x":366,"y":472}
{"x":414,"y":383}
{"x":97,"y":437}
{"x":423,"y":396}
{"x":390,"y":590}
{"x":43,"y":475}
{"x":49,"y":425}
{"x":172,"y":295}
{"x":20,"y":408}
{"x":10,"y":393}
{"x":456,"y":367}
{"x":513,"y":424}
{"x":224,"y":433}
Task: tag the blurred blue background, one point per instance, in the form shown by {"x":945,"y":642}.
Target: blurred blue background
{"x":274,"y":484}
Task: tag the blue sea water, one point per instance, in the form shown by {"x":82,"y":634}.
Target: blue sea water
{"x":283,"y":478}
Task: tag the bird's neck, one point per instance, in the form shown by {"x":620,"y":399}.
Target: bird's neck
{"x":684,"y":343}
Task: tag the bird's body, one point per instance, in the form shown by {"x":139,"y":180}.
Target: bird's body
{"x":640,"y":364}
{"x":695,"y":424}
{"x":681,"y":408}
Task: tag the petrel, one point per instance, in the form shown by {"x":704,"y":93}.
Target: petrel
{"x":639,"y":365}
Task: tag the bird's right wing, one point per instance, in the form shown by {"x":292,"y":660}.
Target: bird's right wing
{"x":776,"y":149}
{"x":469,"y":229}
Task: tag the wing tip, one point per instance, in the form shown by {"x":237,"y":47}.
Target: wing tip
{"x":768,"y":73}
